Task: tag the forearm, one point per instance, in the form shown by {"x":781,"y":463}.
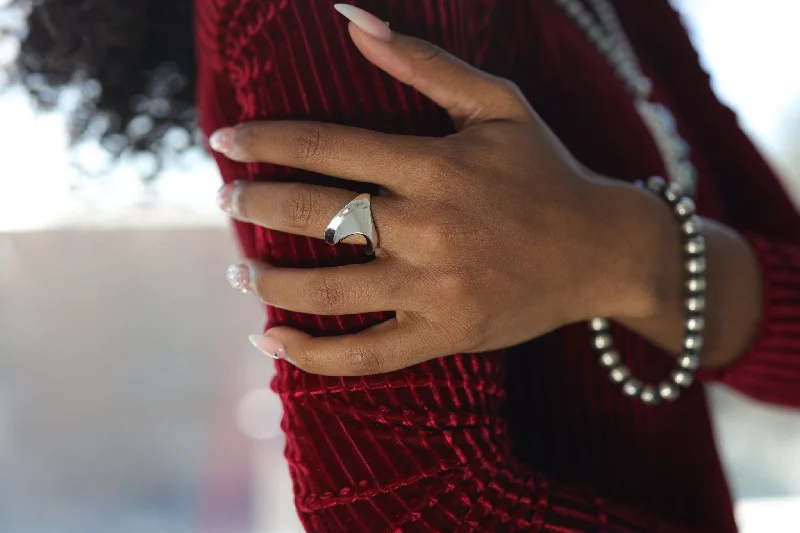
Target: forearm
{"x":733,"y":293}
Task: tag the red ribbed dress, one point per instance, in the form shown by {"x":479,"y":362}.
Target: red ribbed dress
{"x":534,"y":438}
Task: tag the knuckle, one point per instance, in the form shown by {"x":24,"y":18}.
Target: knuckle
{"x":309,"y":143}
{"x":442,"y":233}
{"x":326,"y":295}
{"x":470,"y":328}
{"x":298,"y":211}
{"x":310,"y":361}
{"x":438,"y":168}
{"x":455,"y":286}
{"x":263,"y":288}
{"x":508,"y":88}
{"x":362,"y":361}
{"x":444,"y":162}
{"x":510,"y":95}
{"x":425,"y":52}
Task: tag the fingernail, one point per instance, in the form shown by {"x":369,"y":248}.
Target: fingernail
{"x":367,"y":22}
{"x":228,"y":198}
{"x":239,"y":278}
{"x":222,"y":140}
{"x":270,"y":346}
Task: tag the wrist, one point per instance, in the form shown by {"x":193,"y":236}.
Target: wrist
{"x":643,"y":277}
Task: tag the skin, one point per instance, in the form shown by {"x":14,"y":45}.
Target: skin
{"x":498,"y":220}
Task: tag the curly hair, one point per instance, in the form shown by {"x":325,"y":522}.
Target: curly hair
{"x":132,"y":62}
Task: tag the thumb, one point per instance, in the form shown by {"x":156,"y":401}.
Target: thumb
{"x":469,"y":95}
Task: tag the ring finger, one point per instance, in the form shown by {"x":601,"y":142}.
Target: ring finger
{"x":344,"y":290}
{"x":298,"y":208}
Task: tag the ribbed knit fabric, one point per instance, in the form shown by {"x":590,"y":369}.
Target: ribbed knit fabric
{"x":533,"y":438}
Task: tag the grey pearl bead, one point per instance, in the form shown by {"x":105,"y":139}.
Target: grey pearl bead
{"x":656,"y":184}
{"x":689,"y":362}
{"x":682,"y":150}
{"x":685,"y":207}
{"x":696,"y":265}
{"x":691,"y":227}
{"x":695,"y":245}
{"x":666,"y":117}
{"x":687,"y":171}
{"x":598,"y":325}
{"x":695,"y":324}
{"x":573,"y":8}
{"x":682,"y":378}
{"x":696,"y":284}
{"x":668,"y":391}
{"x":595,"y":33}
{"x":693,"y":343}
{"x":643,"y":87}
{"x":610,"y":359}
{"x":673,"y":193}
{"x":632,"y":387}
{"x":603,"y":341}
{"x":619,"y":374}
{"x":606,"y":45}
{"x":696,"y":304}
{"x":583,"y":19}
{"x":649,"y":395}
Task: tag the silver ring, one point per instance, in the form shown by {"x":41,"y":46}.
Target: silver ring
{"x":355,"y":218}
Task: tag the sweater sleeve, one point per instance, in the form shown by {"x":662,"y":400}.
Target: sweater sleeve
{"x":754,"y":203}
{"x":423,"y":449}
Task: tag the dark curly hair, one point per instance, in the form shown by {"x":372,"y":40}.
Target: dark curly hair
{"x":132,"y":62}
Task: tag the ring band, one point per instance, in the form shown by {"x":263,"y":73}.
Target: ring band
{"x":355,"y":218}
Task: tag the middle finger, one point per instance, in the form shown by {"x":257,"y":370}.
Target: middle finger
{"x":299,"y":208}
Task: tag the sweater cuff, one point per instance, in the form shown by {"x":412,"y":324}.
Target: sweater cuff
{"x":770,"y":369}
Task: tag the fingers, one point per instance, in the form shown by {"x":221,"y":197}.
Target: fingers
{"x":298,"y":208}
{"x":469,"y":95}
{"x":341,"y":151}
{"x":386,"y":347}
{"x":345,"y":290}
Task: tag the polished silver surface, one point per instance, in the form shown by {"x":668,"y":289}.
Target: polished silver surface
{"x":696,"y":304}
{"x":632,"y":387}
{"x":657,"y":184}
{"x":696,"y":284}
{"x":695,"y":245}
{"x":619,"y":374}
{"x":695,"y":323}
{"x":649,"y":395}
{"x":682,"y":378}
{"x":689,"y":362}
{"x":685,"y":207}
{"x":610,"y":359}
{"x":668,"y":391}
{"x":691,"y":227}
{"x":355,"y":218}
{"x":603,"y":341}
{"x":696,"y":265}
{"x":693,"y":342}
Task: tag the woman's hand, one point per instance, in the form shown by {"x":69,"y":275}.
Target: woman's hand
{"x":488,"y":238}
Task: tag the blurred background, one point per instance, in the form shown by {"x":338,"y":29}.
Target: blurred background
{"x":130,"y":400}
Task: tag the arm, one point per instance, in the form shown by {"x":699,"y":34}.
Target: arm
{"x":753,"y":297}
{"x":421,"y":447}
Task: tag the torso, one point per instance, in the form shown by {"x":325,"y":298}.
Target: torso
{"x":567,"y":421}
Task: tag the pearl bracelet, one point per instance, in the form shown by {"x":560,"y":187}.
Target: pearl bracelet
{"x":694,"y":249}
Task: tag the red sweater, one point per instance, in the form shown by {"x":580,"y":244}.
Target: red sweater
{"x":534,"y":438}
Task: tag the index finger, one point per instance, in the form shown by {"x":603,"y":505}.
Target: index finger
{"x":341,"y":151}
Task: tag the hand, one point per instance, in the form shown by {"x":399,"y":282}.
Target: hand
{"x":488,"y":238}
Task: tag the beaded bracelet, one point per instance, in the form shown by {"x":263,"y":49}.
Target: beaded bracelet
{"x":694,"y":248}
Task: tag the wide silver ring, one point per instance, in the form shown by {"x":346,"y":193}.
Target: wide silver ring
{"x":355,"y":218}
